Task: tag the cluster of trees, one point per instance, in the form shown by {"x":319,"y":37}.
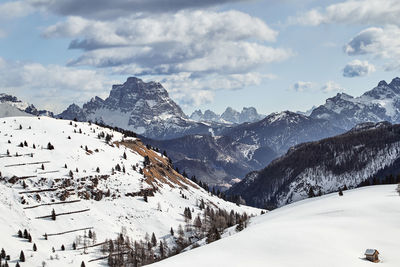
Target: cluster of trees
{"x":25,"y":235}
{"x":208,"y":224}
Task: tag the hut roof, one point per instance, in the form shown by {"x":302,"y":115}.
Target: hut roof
{"x":370,"y":252}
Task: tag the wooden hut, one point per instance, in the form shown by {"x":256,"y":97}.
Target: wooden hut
{"x":372,"y":255}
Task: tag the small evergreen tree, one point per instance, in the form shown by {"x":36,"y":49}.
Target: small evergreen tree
{"x":53,"y":215}
{"x":340,"y":192}
{"x":74,"y":246}
{"x":3,"y":253}
{"x":83,"y":264}
{"x":22,"y":257}
{"x":34,"y":247}
{"x":172,"y":231}
{"x":62,"y":247}
{"x":17,"y":265}
{"x":153,"y":240}
{"x":25,"y":233}
{"x":19,"y":233}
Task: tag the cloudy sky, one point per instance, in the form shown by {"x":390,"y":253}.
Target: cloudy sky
{"x":208,"y":54}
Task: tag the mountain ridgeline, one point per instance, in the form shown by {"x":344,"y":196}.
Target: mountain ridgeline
{"x":368,"y":151}
{"x":222,"y":149}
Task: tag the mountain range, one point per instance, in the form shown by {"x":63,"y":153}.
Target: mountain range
{"x":220,"y":149}
{"x":229,"y":116}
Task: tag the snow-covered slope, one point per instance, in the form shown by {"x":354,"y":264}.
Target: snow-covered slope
{"x":7,"y":110}
{"x":23,"y":106}
{"x":329,"y":231}
{"x":106,"y":180}
{"x":368,"y":151}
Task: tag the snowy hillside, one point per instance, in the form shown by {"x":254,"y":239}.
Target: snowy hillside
{"x":331,"y":230}
{"x":7,"y":110}
{"x":94,"y":179}
{"x":368,"y":151}
{"x":22,"y":106}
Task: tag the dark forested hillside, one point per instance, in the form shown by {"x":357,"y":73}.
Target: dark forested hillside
{"x":325,"y":166}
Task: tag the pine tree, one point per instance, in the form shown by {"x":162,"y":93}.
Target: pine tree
{"x":45,"y":236}
{"x":53,"y":215}
{"x":172,"y":231}
{"x":340,"y":192}
{"x":62,"y":247}
{"x":153,"y":240}
{"x":124,"y":155}
{"x":19,"y":233}
{"x":311,"y":193}
{"x":25,"y":233}
{"x":29,"y":238}
{"x":34,"y":247}
{"x":83,"y":264}
{"x":3,"y":253}
{"x":22,"y":256}
{"x":162,"y":253}
{"x":17,"y":265}
{"x":74,"y":246}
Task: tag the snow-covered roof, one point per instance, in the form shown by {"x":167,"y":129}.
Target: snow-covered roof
{"x":370,"y":252}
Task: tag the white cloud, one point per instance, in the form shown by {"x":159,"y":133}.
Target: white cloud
{"x":15,"y":9}
{"x":379,"y":42}
{"x":52,"y":86}
{"x":106,"y":9}
{"x":358,"y":68}
{"x":187,"y":41}
{"x":302,"y":86}
{"x":331,"y":86}
{"x":194,"y":91}
{"x":379,"y":12}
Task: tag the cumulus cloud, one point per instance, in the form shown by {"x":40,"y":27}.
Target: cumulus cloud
{"x":15,"y":9}
{"x":380,"y":42}
{"x":105,"y":9}
{"x":380,"y":12}
{"x":331,"y":86}
{"x":52,"y":86}
{"x":194,"y":91}
{"x":188,"y":41}
{"x":358,"y":68}
{"x":302,"y":86}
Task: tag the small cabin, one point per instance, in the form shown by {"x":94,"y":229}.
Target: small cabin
{"x":372,"y":255}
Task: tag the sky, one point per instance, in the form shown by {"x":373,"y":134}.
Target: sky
{"x":209,"y":54}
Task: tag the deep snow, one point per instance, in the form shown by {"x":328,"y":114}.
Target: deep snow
{"x":325,"y":231}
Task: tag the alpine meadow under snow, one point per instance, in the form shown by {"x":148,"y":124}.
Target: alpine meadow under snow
{"x":331,"y":231}
{"x":94,"y":179}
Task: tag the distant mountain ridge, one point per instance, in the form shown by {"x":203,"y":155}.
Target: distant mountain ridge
{"x":229,"y":116}
{"x":23,"y":106}
{"x":382,"y":103}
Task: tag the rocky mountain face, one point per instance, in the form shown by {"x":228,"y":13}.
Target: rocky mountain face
{"x":280,"y":131}
{"x":23,"y":106}
{"x":218,"y":161}
{"x":229,"y":116}
{"x":144,"y":108}
{"x":368,"y":150}
{"x":382,"y":103}
{"x":225,"y":159}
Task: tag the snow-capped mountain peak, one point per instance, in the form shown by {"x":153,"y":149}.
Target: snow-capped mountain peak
{"x":143,"y":107}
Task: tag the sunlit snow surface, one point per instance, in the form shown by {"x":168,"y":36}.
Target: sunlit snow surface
{"x":325,"y":231}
